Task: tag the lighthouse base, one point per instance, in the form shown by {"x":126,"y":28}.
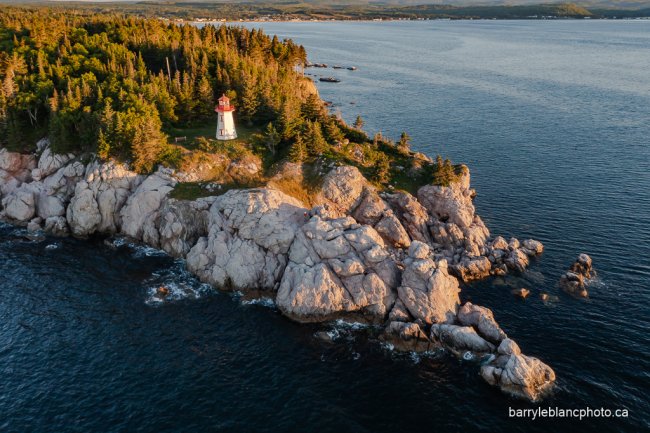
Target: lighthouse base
{"x":227,"y":135}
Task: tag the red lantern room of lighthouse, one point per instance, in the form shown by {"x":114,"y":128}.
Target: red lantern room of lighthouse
{"x":225,"y":122}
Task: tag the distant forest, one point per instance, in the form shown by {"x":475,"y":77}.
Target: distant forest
{"x":351,"y":10}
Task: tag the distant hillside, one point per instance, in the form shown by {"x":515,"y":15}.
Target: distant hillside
{"x":356,"y":9}
{"x":351,"y":4}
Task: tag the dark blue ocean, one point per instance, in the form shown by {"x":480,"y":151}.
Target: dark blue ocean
{"x":552,"y":117}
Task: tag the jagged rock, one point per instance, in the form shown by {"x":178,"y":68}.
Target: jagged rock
{"x":470,"y":269}
{"x":34,"y":225}
{"x":342,"y":188}
{"x":499,"y":243}
{"x":576,"y":279}
{"x":20,"y":205}
{"x":49,"y":163}
{"x":250,"y":232}
{"x":517,"y":260}
{"x":451,"y":203}
{"x":519,"y":375}
{"x":182,"y":223}
{"x":141,"y":209}
{"x":419,"y":250}
{"x":390,"y":228}
{"x":399,"y":313}
{"x":460,"y":338}
{"x":508,"y":347}
{"x":412,"y":215}
{"x":482,"y":320}
{"x":56,"y":226}
{"x":513,"y":244}
{"x":455,"y":225}
{"x":103,"y":192}
{"x":83,"y":211}
{"x":320,"y":279}
{"x":532,"y":247}
{"x":406,"y":331}
{"x":16,"y":164}
{"x":370,"y":209}
{"x":427,"y":290}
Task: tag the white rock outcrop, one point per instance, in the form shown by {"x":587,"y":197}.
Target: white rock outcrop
{"x":427,"y":290}
{"x":337,"y":266}
{"x":250,"y":232}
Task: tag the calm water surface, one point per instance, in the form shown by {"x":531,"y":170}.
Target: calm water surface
{"x":553,"y":119}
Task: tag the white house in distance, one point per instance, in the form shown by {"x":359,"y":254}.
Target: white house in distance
{"x":225,"y":123}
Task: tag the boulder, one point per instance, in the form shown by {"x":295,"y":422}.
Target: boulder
{"x":520,"y":376}
{"x":341,"y":189}
{"x":20,"y":205}
{"x":406,"y":331}
{"x":471,"y":269}
{"x":49,"y":162}
{"x":517,"y":260}
{"x":412,"y":215}
{"x":419,"y":250}
{"x":577,"y":278}
{"x":482,"y":320}
{"x":428,"y":292}
{"x":57,"y":226}
{"x":83,"y":212}
{"x":499,"y":243}
{"x":391,"y":229}
{"x":460,"y":338}
{"x":451,"y":203}
{"x":532,"y":247}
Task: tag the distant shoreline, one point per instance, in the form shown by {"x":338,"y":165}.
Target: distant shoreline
{"x":231,"y":22}
{"x":269,"y":11}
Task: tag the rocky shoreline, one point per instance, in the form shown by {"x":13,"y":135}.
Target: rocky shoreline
{"x":392,"y":259}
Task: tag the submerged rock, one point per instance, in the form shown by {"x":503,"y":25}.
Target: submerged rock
{"x":521,"y":293}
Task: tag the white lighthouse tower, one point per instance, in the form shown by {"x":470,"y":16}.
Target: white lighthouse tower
{"x":225,"y":123}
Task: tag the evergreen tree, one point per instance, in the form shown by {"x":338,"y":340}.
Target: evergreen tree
{"x":404,"y":144}
{"x":358,"y":123}
{"x":314,"y":140}
{"x":298,"y":150}
{"x":271,"y":137}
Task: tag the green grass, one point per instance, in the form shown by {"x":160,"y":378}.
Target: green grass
{"x":194,"y":190}
{"x":207,"y":130}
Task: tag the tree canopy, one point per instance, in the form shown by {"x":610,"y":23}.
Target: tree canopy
{"x":113,"y":83}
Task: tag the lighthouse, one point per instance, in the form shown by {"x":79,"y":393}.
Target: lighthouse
{"x":225,"y":123}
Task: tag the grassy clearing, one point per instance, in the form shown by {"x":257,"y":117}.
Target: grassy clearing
{"x":208,"y":131}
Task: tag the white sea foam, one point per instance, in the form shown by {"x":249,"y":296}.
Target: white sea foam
{"x":354,"y":326}
{"x":179,"y":284}
{"x":264,"y":302}
{"x":55,"y":246}
{"x":387,"y":346}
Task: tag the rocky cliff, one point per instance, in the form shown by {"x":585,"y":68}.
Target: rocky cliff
{"x":387,"y":258}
